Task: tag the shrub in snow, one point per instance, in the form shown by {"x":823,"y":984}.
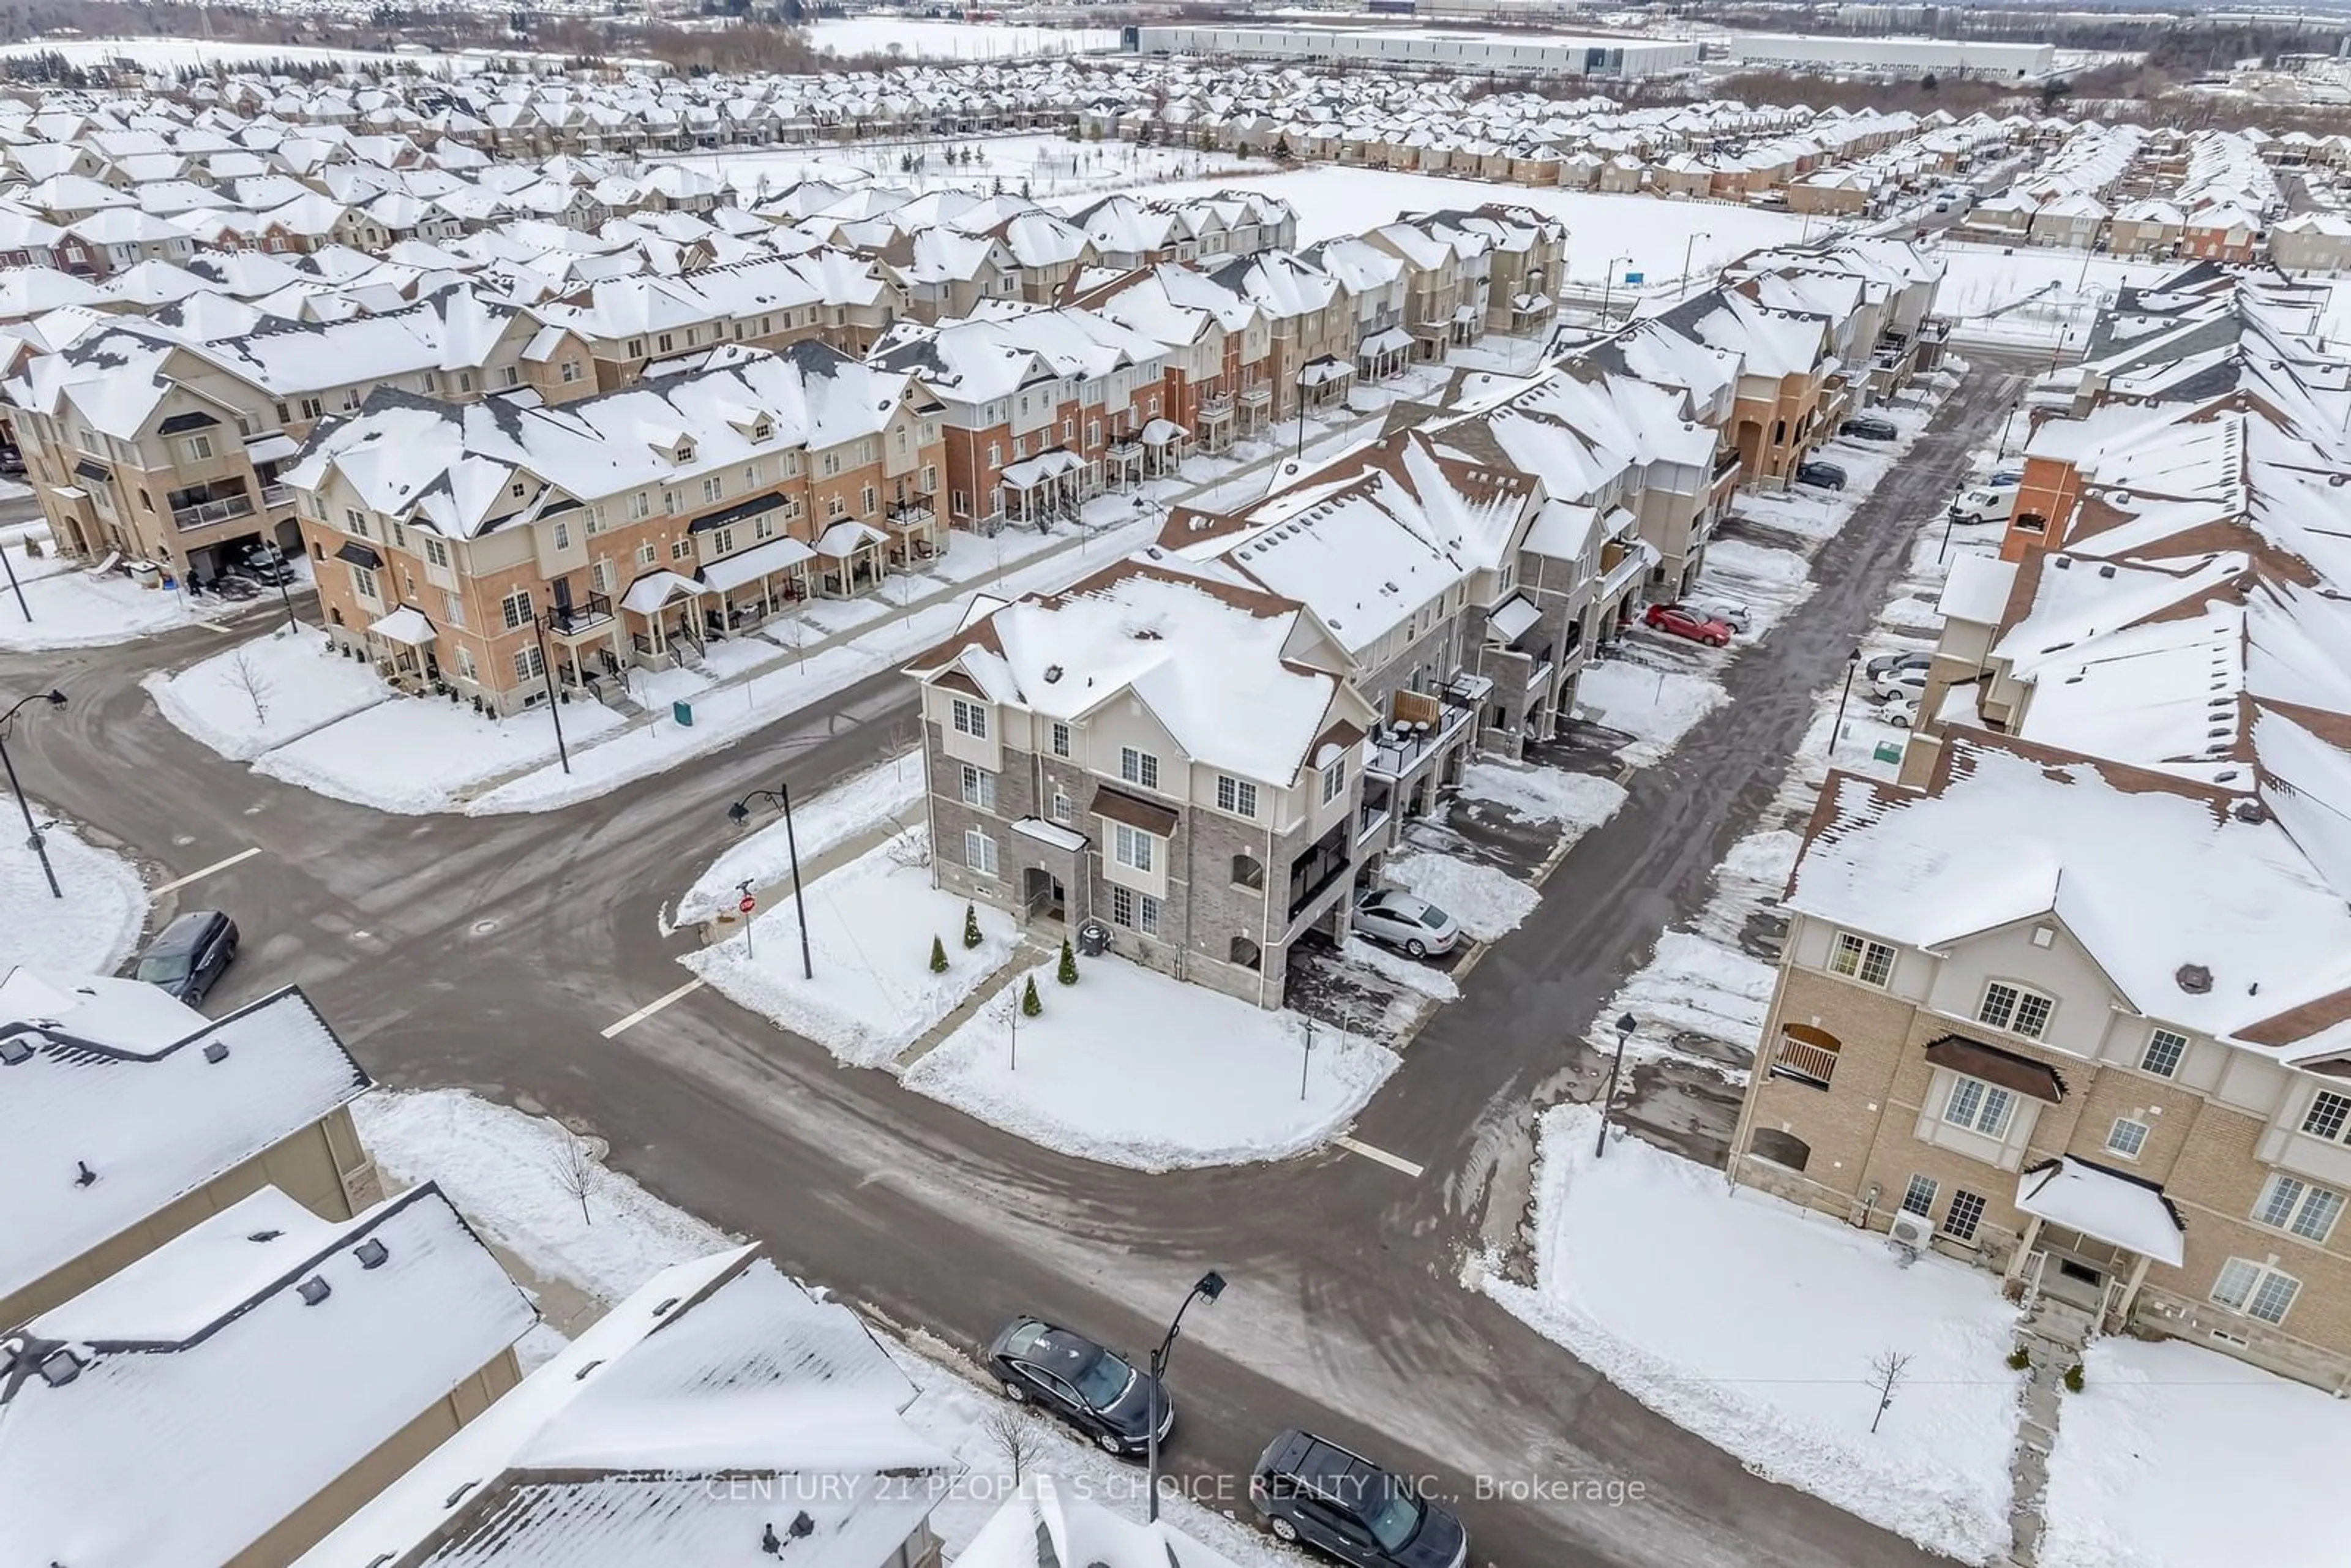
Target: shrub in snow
{"x":1031,"y":1005}
{"x":2020,"y":1359}
{"x":2074,"y":1378}
{"x":938,"y":956}
{"x":1067,"y":973}
{"x":971,"y":936}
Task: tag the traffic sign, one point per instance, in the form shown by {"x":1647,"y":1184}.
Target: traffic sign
{"x":748,"y":904}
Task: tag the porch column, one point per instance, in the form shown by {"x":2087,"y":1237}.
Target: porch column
{"x":2130,"y":1291}
{"x":2024,"y":1245}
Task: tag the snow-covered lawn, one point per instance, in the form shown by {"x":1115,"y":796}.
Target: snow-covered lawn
{"x":887,"y":792}
{"x":1656,"y":707}
{"x":506,"y":1173}
{"x":1046,"y":167}
{"x":263,"y":693}
{"x":1754,"y":1324}
{"x":870,"y":928}
{"x":1577,"y":802}
{"x":92,"y":928}
{"x":1484,"y":902}
{"x":2176,"y":1457}
{"x":1133,"y":1068}
{"x":420,"y":755}
{"x":71,"y":608}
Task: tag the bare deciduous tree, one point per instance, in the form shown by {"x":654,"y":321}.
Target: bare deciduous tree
{"x":246,"y":676}
{"x":1012,"y":1435}
{"x":575,"y":1168}
{"x":1886,"y":1370}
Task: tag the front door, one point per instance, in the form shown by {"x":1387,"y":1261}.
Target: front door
{"x":2071,"y":1279}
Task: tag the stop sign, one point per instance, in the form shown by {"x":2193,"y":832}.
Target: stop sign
{"x":748,"y":904}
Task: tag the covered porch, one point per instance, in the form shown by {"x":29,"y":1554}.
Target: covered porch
{"x":664,"y":613}
{"x":583,"y":638}
{"x":913,"y":524}
{"x":1323,"y":382}
{"x":401,"y":642}
{"x":849,"y":558}
{"x":753,"y":586}
{"x":1123,"y":461}
{"x":1384,"y":354}
{"x":1165,"y":444}
{"x":2090,"y":1235}
{"x":1049,"y":487}
{"x":1215,"y":416}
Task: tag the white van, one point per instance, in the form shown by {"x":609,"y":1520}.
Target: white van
{"x":1984,"y":504}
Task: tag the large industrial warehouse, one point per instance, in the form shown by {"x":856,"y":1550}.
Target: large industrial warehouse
{"x":1484,"y":53}
{"x":1951,"y":57}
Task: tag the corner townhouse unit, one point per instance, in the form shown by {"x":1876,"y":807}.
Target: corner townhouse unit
{"x":1158,"y":748}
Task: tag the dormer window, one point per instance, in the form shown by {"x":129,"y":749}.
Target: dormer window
{"x":686,"y":452}
{"x":761,"y":430}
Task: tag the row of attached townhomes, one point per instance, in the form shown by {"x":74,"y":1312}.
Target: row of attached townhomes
{"x":1206,"y":748}
{"x":223,"y":1346}
{"x":2072,"y":998}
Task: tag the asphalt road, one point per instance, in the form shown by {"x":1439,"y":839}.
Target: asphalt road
{"x":490,"y":953}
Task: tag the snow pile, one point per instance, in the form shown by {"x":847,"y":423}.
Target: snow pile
{"x":2162,"y":1434}
{"x":264,"y":693}
{"x":91,"y":930}
{"x":870,"y":928}
{"x":506,"y":1173}
{"x":1756,"y":1329}
{"x":1576,"y":800}
{"x":75,"y":608}
{"x":1483,"y":901}
{"x":1657,"y":707}
{"x":1692,"y":985}
{"x":418,"y":755}
{"x":1410,"y":973}
{"x":1133,"y":1068}
{"x":889,"y":792}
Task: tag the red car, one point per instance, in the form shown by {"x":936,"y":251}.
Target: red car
{"x":1683,"y":621}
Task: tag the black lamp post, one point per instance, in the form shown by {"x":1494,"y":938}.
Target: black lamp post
{"x":739,"y":813}
{"x":14,"y":587}
{"x":1211,"y":1286}
{"x":1852,"y":662}
{"x":546,"y":673}
{"x":1608,"y":287}
{"x":1615,"y":1067}
{"x":33,"y":839}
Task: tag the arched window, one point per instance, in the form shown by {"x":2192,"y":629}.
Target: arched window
{"x":1244,"y":952}
{"x":1779,"y":1148}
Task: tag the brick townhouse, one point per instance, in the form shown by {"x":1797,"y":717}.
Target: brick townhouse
{"x":491,"y":552}
{"x":1216,"y":371}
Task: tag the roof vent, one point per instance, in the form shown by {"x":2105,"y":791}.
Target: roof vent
{"x":802,"y":1526}
{"x":59,"y":1367}
{"x":216,"y":1052}
{"x":314,"y":1290}
{"x":2248,"y":810}
{"x":2064,"y":564}
{"x":13,"y":1050}
{"x":2194,"y":978}
{"x":663,"y":1310}
{"x":264,"y":1235}
{"x":769,"y":1542}
{"x":83,"y":1174}
{"x":2108,"y":570}
{"x":370,"y":1253}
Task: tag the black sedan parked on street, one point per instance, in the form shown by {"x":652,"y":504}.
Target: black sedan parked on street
{"x":1096,"y":1390}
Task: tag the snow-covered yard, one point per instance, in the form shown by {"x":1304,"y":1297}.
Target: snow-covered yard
{"x":871,"y":923}
{"x":418,"y":755}
{"x":1755,"y":1325}
{"x":1133,"y":1068}
{"x":92,"y":928}
{"x":72,"y":608}
{"x":263,"y":694}
{"x":1484,"y":902}
{"x":887,"y":792}
{"x":2176,"y":1457}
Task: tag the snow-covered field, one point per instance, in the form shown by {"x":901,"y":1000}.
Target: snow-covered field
{"x":917,"y":38}
{"x":92,"y":928}
{"x":1133,"y":1068}
{"x":262,"y":694}
{"x":2033,"y":294}
{"x":1755,"y":1325}
{"x":181,"y":54}
{"x":887,"y":792}
{"x":1046,"y":166}
{"x":2176,"y":1457}
{"x":73,"y":609}
{"x":871,"y":923}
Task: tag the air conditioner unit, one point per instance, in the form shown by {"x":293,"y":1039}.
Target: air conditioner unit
{"x":1909,"y":1236}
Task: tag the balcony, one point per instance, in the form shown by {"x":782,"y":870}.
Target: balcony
{"x":577,"y":618}
{"x":1412,"y":739}
{"x":276,"y":496}
{"x":1805,"y":1055}
{"x":204,"y":514}
{"x":1216,"y":407}
{"x":1256,"y":396}
{"x":914,"y":512}
{"x":1313,"y":872}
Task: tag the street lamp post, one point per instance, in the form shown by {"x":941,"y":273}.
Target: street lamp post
{"x":1687,"y":248}
{"x":1211,"y":1286}
{"x":14,"y":587}
{"x":1608,"y":287}
{"x":1615,"y":1067}
{"x":1852,"y":662}
{"x":33,"y":839}
{"x":546,"y":672}
{"x":739,"y":813}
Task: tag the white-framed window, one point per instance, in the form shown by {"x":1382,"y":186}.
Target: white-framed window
{"x":199,"y":448}
{"x":563,"y":535}
{"x":1138,"y":766}
{"x":980,"y":852}
{"x":1132,"y":847}
{"x":641,"y":504}
{"x":969,"y":718}
{"x":1918,"y":1198}
{"x":2165,"y":1048}
{"x":2256,"y":1290}
{"x":681,"y":549}
{"x":1966,"y":1213}
{"x":714,"y":488}
{"x":978,"y":788}
{"x":465,"y":662}
{"x":515,"y":610}
{"x":2288,"y":1203}
{"x":1859,"y":958}
{"x":435,"y":551}
{"x":2126,"y":1137}
{"x":2015,"y":1009}
{"x":600,"y":574}
{"x":1977,"y":1106}
{"x":363,"y":583}
{"x":1058,"y":740}
{"x":648,"y":553}
{"x":355,"y":521}
{"x":528,"y":666}
{"x":1063,"y":808}
{"x":2329,"y":1117}
{"x":1135,"y":911}
{"x":1335,"y":781}
{"x":452,"y":610}
{"x":1237,"y":796}
{"x":570,"y":371}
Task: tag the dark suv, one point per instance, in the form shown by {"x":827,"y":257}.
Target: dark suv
{"x":1826,"y":476}
{"x":187,"y":956}
{"x":1311,"y":1489}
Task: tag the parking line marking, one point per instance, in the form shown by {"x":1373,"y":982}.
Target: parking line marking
{"x":244,"y":854}
{"x":650,"y":1008}
{"x":1354,"y":1147}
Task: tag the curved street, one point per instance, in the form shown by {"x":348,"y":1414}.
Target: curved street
{"x":491,"y":952}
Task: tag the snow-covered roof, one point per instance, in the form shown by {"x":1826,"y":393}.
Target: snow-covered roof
{"x":2104,"y":1203}
{"x":1047,"y":1525}
{"x":148,"y":1095}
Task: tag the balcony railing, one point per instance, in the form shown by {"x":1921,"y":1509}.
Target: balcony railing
{"x":204,"y":514}
{"x":571,"y":620}
{"x":1220,"y":406}
{"x":1256,"y":396}
{"x":1804,"y":1061}
{"x":276,"y":496}
{"x":1397,"y":749}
